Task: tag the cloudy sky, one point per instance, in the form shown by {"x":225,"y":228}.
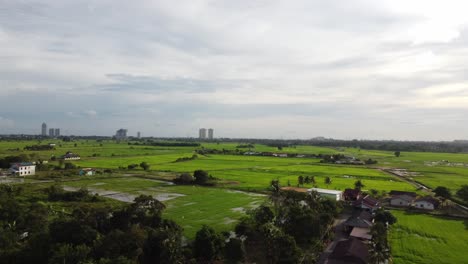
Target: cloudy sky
{"x":394,"y":69}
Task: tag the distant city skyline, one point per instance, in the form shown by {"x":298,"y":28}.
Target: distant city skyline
{"x":388,"y":69}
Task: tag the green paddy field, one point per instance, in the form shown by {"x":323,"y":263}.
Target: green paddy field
{"x":243,"y":181}
{"x":421,"y":239}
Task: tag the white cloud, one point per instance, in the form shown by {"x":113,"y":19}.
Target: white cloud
{"x":85,"y":59}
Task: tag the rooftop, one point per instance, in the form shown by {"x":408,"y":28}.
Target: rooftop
{"x":327,"y":191}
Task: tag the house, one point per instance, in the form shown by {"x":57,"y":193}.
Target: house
{"x":87,"y":172}
{"x":23,"y":168}
{"x":71,"y":156}
{"x":367,"y":203}
{"x":359,"y":218}
{"x":351,"y":251}
{"x":403,"y":200}
{"x":426,"y":203}
{"x":331,"y":194}
{"x":362,"y":233}
{"x":351,"y":194}
{"x":396,"y":193}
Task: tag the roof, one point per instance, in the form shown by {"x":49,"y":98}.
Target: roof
{"x":351,"y":192}
{"x":404,"y":197}
{"x":70,"y":155}
{"x":361,"y":232}
{"x":429,"y":199}
{"x":394,"y":193}
{"x":19,"y":164}
{"x":88,"y":169}
{"x":367,"y":201}
{"x":325,"y":191}
{"x":297,"y":189}
{"x":359,"y":219}
{"x":349,"y":251}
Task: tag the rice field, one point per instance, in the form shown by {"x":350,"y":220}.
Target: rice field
{"x":189,"y":206}
{"x":421,"y":239}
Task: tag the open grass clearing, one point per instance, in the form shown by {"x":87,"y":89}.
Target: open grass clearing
{"x":189,"y":206}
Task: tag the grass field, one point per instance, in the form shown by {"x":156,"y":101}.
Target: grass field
{"x":191,"y":206}
{"x":421,"y":239}
{"x":443,"y":174}
{"x":220,"y":207}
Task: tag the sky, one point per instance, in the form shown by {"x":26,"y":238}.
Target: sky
{"x":247,"y":68}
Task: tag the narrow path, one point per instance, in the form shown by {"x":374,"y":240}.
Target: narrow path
{"x":405,"y":179}
{"x":340,"y":235}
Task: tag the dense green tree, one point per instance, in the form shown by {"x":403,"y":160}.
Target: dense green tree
{"x":69,"y":166}
{"x":379,"y":251}
{"x":307,"y":179}
{"x":234,"y":251}
{"x":67,"y":253}
{"x":144,"y":165}
{"x":208,"y":244}
{"x":163,"y":244}
{"x":72,"y":232}
{"x":312,"y":180}
{"x":184,"y":178}
{"x":328,"y":181}
{"x":384,"y":217}
{"x":358,"y":185}
{"x":300,"y":180}
{"x":201,"y":177}
{"x":442,"y":191}
{"x":146,"y":210}
{"x":397,"y":153}
{"x":280,"y":247}
{"x":263,"y":214}
{"x":463,"y":193}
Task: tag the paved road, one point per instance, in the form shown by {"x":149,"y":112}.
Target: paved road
{"x":340,"y":235}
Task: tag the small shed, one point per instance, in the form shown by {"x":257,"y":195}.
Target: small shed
{"x":87,"y":172}
{"x":330,"y":194}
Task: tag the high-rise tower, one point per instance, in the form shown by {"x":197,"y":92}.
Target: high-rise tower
{"x":44,"y":129}
{"x":202,"y":133}
{"x":210,"y":133}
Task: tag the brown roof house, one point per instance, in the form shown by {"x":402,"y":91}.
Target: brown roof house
{"x":351,"y":251}
{"x":351,"y":194}
{"x":367,"y":203}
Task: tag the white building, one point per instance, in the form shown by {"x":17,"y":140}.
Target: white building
{"x":331,"y":194}
{"x":44,"y":129}
{"x":23,"y":168}
{"x":202,"y":133}
{"x":426,"y":203}
{"x":402,"y":200}
{"x":210,"y":133}
{"x":71,"y":156}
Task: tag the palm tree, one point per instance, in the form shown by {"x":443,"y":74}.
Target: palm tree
{"x":312,"y":180}
{"x":379,"y":254}
{"x":328,"y":181}
{"x":358,"y":185}
{"x":300,"y":180}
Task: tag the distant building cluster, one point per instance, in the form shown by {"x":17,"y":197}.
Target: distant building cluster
{"x":202,"y":133}
{"x":53,"y":132}
{"x":121,"y":134}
